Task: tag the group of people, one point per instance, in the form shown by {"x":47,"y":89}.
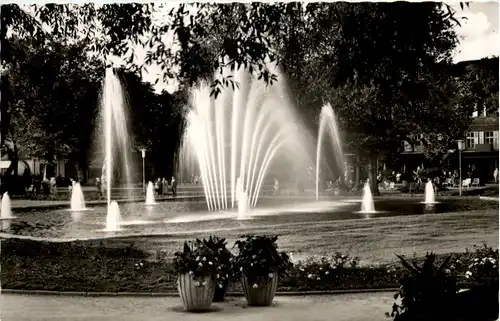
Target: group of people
{"x":45,"y":186}
{"x":161,"y":186}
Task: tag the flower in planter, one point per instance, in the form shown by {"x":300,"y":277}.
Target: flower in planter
{"x":258,"y":258}
{"x":190,"y":261}
{"x":223,"y":259}
{"x":193,"y":274}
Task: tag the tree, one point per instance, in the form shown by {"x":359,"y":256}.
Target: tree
{"x":239,"y":33}
{"x":52,"y":95}
{"x":384,"y":46}
{"x":117,"y":28}
{"x":395,"y":51}
{"x":157,"y":120}
{"x":481,"y":77}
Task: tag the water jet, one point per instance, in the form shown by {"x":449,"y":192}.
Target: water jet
{"x":328,"y":124}
{"x":6,"y":208}
{"x":77,"y":199}
{"x":150,"y":194}
{"x":367,"y":205}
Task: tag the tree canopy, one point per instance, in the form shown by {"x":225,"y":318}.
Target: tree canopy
{"x":52,"y":93}
{"x":384,"y":66}
{"x":209,"y":35}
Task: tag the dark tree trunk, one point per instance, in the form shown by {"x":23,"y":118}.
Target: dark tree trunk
{"x":372,"y":175}
{"x":357,"y":173}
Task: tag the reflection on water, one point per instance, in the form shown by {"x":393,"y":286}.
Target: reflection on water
{"x":187,"y":217}
{"x":6,"y":225}
{"x":429,"y":209}
{"x":76,"y":216}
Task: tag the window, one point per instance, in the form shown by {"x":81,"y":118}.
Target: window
{"x":488,"y":138}
{"x":470,"y":141}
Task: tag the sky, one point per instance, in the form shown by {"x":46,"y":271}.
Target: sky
{"x":479,"y":32}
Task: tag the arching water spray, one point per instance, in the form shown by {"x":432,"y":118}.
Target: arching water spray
{"x":241,"y":134}
{"x":328,"y":124}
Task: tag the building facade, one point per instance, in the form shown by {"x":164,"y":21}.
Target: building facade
{"x":480,"y":154}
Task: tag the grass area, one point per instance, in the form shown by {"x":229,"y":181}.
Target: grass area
{"x":80,"y":266}
{"x":142,"y":264}
{"x":374,"y":240}
{"x":491,"y":191}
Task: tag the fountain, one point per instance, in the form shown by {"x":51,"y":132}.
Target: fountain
{"x":328,"y":122}
{"x":150,"y":194}
{"x":245,"y":132}
{"x":367,"y":205}
{"x":77,"y":200}
{"x":113,"y":219}
{"x":430,"y":196}
{"x":242,"y":205}
{"x":116,"y":137}
{"x":6,"y":208}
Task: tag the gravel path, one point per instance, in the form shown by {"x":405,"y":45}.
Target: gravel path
{"x":344,"y":307}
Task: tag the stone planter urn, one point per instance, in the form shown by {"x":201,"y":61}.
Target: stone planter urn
{"x":261,"y":292}
{"x":196,"y":295}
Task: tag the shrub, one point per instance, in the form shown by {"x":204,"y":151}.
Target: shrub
{"x":478,"y":267}
{"x":324,"y":269}
{"x":426,"y":291}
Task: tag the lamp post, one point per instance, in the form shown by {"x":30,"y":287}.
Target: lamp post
{"x":460,"y":144}
{"x":143,"y":153}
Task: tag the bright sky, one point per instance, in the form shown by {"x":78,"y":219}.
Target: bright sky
{"x":479,"y":31}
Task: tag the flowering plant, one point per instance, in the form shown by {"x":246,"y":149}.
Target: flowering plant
{"x":224,"y":256}
{"x":199,"y":260}
{"x":324,"y":268}
{"x":258,"y":257}
{"x":479,"y":266}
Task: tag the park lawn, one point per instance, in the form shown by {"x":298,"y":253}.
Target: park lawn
{"x":374,"y":240}
{"x":143,"y":264}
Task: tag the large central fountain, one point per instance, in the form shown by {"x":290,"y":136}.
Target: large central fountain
{"x":250,"y":132}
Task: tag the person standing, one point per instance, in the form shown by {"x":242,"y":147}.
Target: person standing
{"x":53,"y":188}
{"x":173,"y":182}
{"x":164,"y":184}
{"x":495,"y":175}
{"x":157,"y":187}
{"x":276,"y":187}
{"x":98,"y":186}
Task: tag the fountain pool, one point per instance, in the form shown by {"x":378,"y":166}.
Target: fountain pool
{"x":169,"y":218}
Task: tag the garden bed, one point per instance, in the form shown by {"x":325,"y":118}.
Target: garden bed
{"x":96,"y":267}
